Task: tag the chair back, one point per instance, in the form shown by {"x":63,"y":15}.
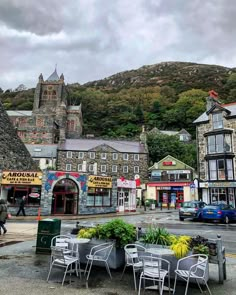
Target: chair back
{"x":133,"y":253}
{"x":154,"y":266}
{"x":200,"y":267}
{"x":57,"y":254}
{"x":61,"y":241}
{"x":106,"y":251}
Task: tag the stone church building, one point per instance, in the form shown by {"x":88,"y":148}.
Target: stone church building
{"x":52,"y":119}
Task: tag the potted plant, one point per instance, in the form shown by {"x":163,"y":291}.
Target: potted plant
{"x":117,"y":230}
{"x":156,"y":236}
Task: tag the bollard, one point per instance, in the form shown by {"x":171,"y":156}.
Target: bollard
{"x":220,"y":259}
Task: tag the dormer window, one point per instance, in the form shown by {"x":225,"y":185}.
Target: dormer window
{"x":217,"y":119}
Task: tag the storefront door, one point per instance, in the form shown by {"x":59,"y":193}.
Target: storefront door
{"x":179,"y":198}
{"x":121,"y":203}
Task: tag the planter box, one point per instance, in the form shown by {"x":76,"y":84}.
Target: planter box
{"x":116,"y":259}
{"x":173,"y":261}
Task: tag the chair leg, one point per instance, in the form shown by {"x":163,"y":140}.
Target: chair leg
{"x":175,"y":284}
{"x":123,"y":272}
{"x":91,"y":263}
{"x":139,"y":287}
{"x":50,"y":269}
{"x":199,"y":286}
{"x":79,"y":269}
{"x":169,"y":282}
{"x":86,"y":267}
{"x":108,"y":269}
{"x":135,"y":284}
{"x":207,"y":287}
{"x":186,"y":289}
{"x":64,"y":276}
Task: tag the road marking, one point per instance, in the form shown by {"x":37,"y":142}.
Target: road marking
{"x":230,"y":255}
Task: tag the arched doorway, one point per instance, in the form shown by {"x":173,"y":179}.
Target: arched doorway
{"x":65,"y":197}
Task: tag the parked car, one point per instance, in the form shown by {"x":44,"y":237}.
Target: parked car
{"x":191,"y":209}
{"x":219,"y":212}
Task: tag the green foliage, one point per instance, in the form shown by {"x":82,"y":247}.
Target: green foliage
{"x":117,"y":229}
{"x":157,"y":235}
{"x":201,"y":249}
{"x":181,"y":246}
{"x":88,"y":233}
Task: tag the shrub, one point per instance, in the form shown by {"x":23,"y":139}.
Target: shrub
{"x":157,"y":235}
{"x":181,"y":246}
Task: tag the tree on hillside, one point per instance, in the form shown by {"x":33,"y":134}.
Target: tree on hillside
{"x":161,"y":145}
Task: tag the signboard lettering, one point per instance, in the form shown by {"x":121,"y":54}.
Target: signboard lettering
{"x":21,"y":177}
{"x":100,"y":181}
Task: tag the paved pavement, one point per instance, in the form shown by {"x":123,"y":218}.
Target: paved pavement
{"x":24,"y":272}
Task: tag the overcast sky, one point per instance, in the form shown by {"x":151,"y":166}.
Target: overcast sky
{"x":93,"y":39}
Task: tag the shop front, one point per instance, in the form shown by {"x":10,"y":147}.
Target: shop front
{"x":126,"y":195}
{"x":16,"y":184}
{"x":219,"y":192}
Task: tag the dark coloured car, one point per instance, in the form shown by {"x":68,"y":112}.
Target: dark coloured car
{"x":219,"y":212}
{"x":191,"y":209}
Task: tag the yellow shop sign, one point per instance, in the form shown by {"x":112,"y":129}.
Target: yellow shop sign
{"x":15,"y":177}
{"x":100,"y":181}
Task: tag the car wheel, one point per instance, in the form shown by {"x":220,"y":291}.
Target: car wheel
{"x":226,"y":220}
{"x":181,"y":218}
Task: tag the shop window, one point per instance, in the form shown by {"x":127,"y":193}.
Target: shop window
{"x":136,"y":157}
{"x":218,"y":195}
{"x":15,"y":194}
{"x":99,"y":197}
{"x":114,"y":156}
{"x":217,"y":119}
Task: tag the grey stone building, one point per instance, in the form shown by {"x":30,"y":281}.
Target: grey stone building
{"x":216,"y":145}
{"x":114,"y":158}
{"x":52,"y":118}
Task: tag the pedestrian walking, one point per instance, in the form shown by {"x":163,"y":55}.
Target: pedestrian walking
{"x":3,"y":216}
{"x":22,"y":206}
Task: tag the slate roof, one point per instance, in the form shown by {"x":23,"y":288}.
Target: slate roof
{"x":42,"y":150}
{"x":91,"y":144}
{"x":230,"y":107}
{"x":53,"y":77}
{"x":19,"y":113}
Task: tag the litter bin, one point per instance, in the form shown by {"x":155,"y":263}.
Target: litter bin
{"x":47,"y":229}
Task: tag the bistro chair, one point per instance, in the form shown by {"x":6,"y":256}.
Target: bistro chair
{"x":197,"y":271}
{"x":98,"y":253}
{"x":155,"y":269}
{"x":133,"y":252}
{"x":62,"y":260}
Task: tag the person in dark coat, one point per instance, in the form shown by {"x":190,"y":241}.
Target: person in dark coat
{"x":22,"y":206}
{"x":3,"y":216}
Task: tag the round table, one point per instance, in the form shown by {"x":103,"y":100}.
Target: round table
{"x":79,"y":241}
{"x":160,"y":251}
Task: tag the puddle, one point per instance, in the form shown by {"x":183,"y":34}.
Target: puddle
{"x":8,"y":243}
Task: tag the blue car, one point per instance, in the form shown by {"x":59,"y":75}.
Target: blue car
{"x":219,"y":212}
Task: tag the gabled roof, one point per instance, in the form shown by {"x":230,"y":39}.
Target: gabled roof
{"x":90,"y":144}
{"x":53,"y":77}
{"x":229,"y":108}
{"x":156,"y":165}
{"x":42,"y":150}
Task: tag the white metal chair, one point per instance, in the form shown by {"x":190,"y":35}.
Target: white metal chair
{"x":99,"y":253}
{"x":197,"y":271}
{"x":155,"y":269}
{"x":61,"y":241}
{"x":133,"y":252}
{"x":62,"y":260}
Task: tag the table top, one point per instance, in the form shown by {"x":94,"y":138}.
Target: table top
{"x":160,"y":251}
{"x":79,"y":241}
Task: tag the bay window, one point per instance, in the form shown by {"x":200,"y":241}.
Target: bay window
{"x":221,"y":169}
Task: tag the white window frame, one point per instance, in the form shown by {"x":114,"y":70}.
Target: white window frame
{"x":103,"y":168}
{"x":91,"y":168}
{"x":69,"y":155}
{"x":136,"y":169}
{"x":114,"y":168}
{"x":92,"y":155}
{"x":68,"y":167}
{"x":81,"y":155}
{"x":136,"y":157}
{"x":217,"y":120}
{"x":103,"y":156}
{"x":125,"y":169}
{"x":125,"y":157}
{"x":80,"y":167}
{"x":114,"y":156}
